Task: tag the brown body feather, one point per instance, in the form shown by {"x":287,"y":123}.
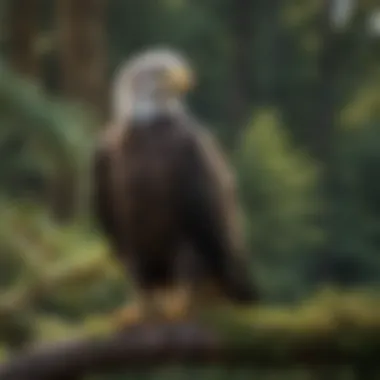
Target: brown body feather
{"x":166,"y":198}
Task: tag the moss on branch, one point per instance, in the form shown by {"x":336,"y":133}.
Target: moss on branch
{"x":335,"y":330}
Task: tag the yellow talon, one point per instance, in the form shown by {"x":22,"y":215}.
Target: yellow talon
{"x":129,"y":316}
{"x":174,"y":304}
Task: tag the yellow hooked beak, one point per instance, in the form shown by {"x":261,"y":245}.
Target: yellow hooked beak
{"x":180,"y":79}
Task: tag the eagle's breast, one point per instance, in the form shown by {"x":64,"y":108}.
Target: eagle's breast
{"x":151,"y":156}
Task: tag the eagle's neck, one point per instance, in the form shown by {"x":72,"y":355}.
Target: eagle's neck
{"x":147,"y":110}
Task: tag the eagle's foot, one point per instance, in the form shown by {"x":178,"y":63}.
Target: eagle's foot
{"x":130,"y":315}
{"x":175,"y":304}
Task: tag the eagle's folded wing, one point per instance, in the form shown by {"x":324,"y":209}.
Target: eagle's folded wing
{"x":211,"y":216}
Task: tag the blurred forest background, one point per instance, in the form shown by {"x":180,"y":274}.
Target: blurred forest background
{"x":292,"y":90}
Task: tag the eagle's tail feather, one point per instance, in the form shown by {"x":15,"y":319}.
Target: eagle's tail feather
{"x":238,"y":284}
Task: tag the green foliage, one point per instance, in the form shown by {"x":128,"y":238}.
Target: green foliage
{"x":357,"y":203}
{"x":50,"y":274}
{"x":40,"y":137}
{"x":279,"y":185}
{"x":54,"y":276}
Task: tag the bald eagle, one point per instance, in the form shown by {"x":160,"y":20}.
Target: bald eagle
{"x":164,"y":194}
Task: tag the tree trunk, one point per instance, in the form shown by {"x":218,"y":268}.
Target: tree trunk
{"x":82,"y":59}
{"x":322,"y":141}
{"x":321,"y":133}
{"x":241,"y":22}
{"x":267,"y":24}
{"x":23,"y":29}
{"x":82,"y":51}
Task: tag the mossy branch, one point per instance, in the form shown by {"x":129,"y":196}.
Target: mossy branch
{"x":264,"y":341}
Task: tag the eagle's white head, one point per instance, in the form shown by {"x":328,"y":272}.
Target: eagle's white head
{"x":150,"y":83}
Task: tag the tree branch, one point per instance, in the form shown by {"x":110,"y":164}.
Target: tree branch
{"x":149,"y":345}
